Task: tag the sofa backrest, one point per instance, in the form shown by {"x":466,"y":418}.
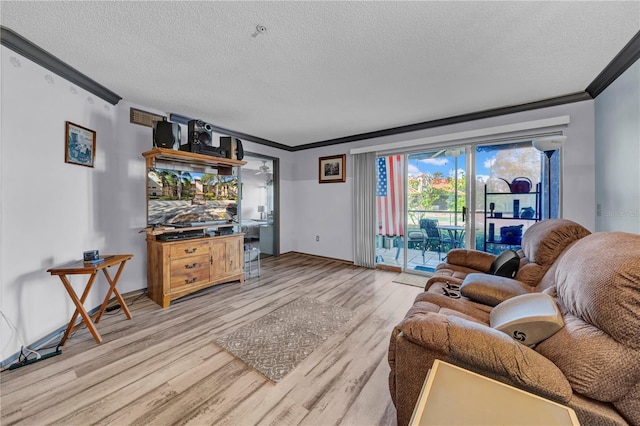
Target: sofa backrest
{"x":548,"y":280}
{"x":543,"y":243}
{"x":597,"y":284}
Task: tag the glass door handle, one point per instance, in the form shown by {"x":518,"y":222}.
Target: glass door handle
{"x":464,"y":213}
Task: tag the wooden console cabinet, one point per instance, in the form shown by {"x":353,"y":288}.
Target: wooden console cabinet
{"x":178,"y":268}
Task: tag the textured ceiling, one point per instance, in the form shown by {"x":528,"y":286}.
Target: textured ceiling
{"x":325,"y":70}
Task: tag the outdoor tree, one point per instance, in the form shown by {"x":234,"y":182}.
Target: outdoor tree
{"x":166,"y":178}
{"x":170,"y":181}
{"x":182,"y":179}
{"x":428,"y":192}
{"x":512,"y":163}
{"x":457,"y":191}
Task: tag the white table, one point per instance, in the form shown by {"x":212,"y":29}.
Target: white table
{"x":454,"y":396}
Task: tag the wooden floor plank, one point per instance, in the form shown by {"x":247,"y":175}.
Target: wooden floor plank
{"x":371,"y":403}
{"x":163,"y":366}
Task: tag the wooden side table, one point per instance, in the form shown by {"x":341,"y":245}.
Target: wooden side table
{"x":454,"y":396}
{"x":80,"y":267}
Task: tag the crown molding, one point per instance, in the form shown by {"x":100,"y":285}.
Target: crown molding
{"x":546,"y":103}
{"x":24,"y":47}
{"x":623,"y":60}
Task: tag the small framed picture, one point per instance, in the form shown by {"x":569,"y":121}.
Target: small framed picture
{"x":80,"y":145}
{"x":332,"y":169}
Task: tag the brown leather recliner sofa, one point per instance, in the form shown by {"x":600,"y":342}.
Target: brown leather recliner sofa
{"x":592,"y":364}
{"x":542,"y":245}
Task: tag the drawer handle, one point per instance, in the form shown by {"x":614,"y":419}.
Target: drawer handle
{"x":193,"y":265}
{"x":190,"y":251}
{"x":191,"y":281}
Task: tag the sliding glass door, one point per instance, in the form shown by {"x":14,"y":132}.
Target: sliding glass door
{"x":436,"y":206}
{"x":433,"y":185}
{"x":516,"y":186}
{"x":423,"y":197}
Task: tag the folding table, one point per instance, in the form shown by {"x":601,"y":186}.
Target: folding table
{"x":80,"y":267}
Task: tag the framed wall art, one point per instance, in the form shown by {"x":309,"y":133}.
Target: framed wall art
{"x":332,"y":169}
{"x":80,"y":145}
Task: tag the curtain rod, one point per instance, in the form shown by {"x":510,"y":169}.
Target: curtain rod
{"x":468,"y":134}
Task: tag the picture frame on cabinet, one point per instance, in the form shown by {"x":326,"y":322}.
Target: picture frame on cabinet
{"x":332,"y":169}
{"x":80,"y":145}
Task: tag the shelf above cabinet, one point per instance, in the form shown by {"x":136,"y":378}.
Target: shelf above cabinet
{"x":168,"y":229}
{"x":224,"y":165}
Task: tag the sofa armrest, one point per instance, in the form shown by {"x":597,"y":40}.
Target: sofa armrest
{"x":491,"y":289}
{"x":488,"y":352}
{"x":473,"y":259}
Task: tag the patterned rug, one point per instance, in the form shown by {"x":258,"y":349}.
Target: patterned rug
{"x":276,"y":343}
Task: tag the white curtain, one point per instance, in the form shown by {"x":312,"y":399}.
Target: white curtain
{"x":364,"y":209}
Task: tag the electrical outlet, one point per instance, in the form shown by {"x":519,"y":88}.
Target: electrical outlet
{"x":317,"y":237}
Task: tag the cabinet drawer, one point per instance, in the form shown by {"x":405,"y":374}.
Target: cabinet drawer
{"x":192,"y":270}
{"x":190,"y":248}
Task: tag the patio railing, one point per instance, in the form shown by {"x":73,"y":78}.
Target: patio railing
{"x":443,"y":217}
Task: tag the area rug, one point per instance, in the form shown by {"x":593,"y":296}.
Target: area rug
{"x":411,"y":279}
{"x":276,"y":343}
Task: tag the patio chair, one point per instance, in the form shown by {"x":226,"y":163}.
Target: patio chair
{"x":415,"y":238}
{"x":428,"y":237}
{"x":433,"y":234}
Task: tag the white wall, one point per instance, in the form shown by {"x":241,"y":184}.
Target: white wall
{"x":617,"y":130}
{"x":325,"y":209}
{"x":50,"y":211}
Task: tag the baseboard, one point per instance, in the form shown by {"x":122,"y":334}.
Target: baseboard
{"x":350,"y":262}
{"x":35,"y":346}
{"x":389,"y":268}
{"x":43,"y":341}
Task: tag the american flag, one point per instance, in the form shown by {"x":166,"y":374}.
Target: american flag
{"x":389,"y":196}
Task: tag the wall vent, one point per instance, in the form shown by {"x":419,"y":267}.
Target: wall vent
{"x":144,"y":118}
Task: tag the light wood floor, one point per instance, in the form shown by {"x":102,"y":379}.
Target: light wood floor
{"x":163,"y":367}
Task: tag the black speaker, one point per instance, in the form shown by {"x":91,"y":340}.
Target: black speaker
{"x":200,"y":132}
{"x":233,"y":147}
{"x":166,"y":134}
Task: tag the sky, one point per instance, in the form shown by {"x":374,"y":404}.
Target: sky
{"x":446,"y":164}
